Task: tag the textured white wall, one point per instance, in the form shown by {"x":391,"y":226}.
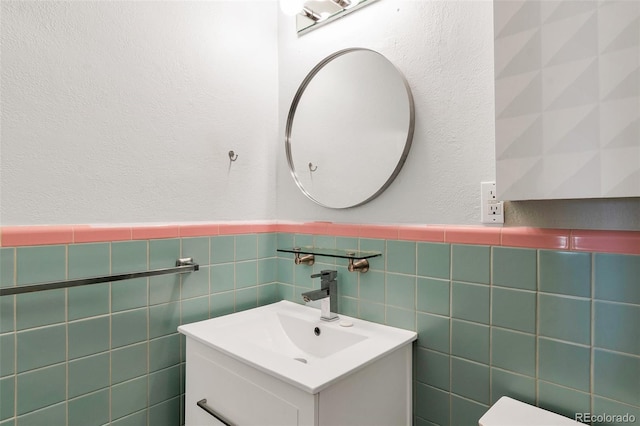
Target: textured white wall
{"x":445,"y":50}
{"x":125,"y":111}
{"x":117,"y":112}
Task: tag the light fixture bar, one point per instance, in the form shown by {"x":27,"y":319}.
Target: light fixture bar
{"x":314,"y":16}
{"x":319,"y":12}
{"x":345,"y":4}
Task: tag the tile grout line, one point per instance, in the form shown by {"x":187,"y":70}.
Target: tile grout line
{"x":14,"y":332}
{"x":537,"y":332}
{"x":66,"y":314}
{"x":148,"y":315}
{"x":592,"y":334}
{"x":386,"y":275}
{"x":257,"y":274}
{"x":384,"y":286}
{"x":235,"y":284}
{"x":180,"y":319}
{"x":450,"y":319}
{"x":491,"y":289}
{"x":415,"y":290}
{"x":210,"y":292}
{"x":110,"y":401}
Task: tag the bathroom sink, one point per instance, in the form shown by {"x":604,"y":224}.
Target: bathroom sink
{"x":290,"y":342}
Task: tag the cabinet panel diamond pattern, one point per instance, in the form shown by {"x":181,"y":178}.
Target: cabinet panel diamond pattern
{"x":567,"y":99}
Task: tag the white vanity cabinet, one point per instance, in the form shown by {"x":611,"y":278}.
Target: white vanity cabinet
{"x":377,"y":394}
{"x":281,"y":365}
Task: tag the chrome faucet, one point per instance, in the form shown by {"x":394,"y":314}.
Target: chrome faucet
{"x":328,"y":290}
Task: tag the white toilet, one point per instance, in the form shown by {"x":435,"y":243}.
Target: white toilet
{"x":509,"y":412}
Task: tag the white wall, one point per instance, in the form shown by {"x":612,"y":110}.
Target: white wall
{"x":445,"y":50}
{"x":117,"y":112}
{"x":124,"y":111}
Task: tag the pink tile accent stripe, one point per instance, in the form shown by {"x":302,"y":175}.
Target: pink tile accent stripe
{"x":422,"y":233}
{"x":294,"y":228}
{"x":625,"y":242}
{"x":343,"y":230}
{"x":246,"y":228}
{"x":386,"y":232}
{"x":472,"y":235}
{"x":536,"y":237}
{"x":199,"y":230}
{"x":264,"y":228}
{"x":91,"y":234}
{"x":36,"y":235}
{"x":16,"y":236}
{"x":155,"y":232}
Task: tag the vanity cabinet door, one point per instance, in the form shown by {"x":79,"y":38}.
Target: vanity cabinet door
{"x":235,"y":398}
{"x":240,"y":394}
{"x":380,"y":394}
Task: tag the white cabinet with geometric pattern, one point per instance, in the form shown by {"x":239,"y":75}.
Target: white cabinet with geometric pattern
{"x":567,"y":76}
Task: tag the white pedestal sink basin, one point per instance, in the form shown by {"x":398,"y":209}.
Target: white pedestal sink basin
{"x":284,"y":351}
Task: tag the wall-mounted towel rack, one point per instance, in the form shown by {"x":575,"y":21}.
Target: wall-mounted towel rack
{"x":182,"y":265}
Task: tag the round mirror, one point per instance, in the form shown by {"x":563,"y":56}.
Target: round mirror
{"x":349,"y":128}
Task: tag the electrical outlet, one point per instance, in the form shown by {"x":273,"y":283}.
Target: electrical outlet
{"x":491,"y":210}
{"x":495,"y":208}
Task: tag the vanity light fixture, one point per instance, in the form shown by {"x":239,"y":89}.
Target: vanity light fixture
{"x":312,"y":13}
{"x":291,"y":7}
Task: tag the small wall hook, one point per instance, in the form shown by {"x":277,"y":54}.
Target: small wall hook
{"x":233,"y":156}
{"x":312,"y":168}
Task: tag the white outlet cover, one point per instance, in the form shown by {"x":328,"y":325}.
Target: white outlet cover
{"x":491,"y":210}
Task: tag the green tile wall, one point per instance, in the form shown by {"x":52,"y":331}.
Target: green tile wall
{"x":556,"y":329}
{"x":110,"y":353}
{"x":496,"y":321}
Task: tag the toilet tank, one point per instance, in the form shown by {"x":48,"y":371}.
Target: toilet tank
{"x":509,"y":412}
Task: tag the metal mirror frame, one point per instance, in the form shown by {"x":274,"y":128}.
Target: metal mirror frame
{"x":294,"y":106}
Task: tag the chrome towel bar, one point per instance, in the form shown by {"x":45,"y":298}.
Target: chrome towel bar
{"x":182,"y":265}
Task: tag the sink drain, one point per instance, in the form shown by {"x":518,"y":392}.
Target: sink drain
{"x":302,"y":360}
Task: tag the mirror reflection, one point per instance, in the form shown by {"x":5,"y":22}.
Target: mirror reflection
{"x":349,"y":129}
